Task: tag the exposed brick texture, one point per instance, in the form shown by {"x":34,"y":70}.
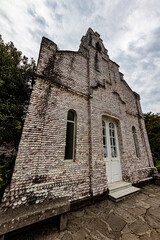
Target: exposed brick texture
{"x":88,"y":82}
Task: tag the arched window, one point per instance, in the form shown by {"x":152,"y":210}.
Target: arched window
{"x":70,"y":135}
{"x":136,"y":141}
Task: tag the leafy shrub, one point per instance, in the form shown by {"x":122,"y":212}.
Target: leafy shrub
{"x":5,"y":176}
{"x":152,"y":122}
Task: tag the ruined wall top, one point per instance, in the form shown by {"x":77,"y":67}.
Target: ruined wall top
{"x":92,"y":39}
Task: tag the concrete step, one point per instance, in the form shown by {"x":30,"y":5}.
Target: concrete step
{"x":116,"y":186}
{"x":122,"y":193}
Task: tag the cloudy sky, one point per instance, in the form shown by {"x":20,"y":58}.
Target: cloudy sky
{"x":130,"y":30}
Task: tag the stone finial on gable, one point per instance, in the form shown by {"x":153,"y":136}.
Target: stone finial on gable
{"x":92,"y":39}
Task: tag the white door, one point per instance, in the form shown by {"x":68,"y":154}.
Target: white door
{"x":111,"y":151}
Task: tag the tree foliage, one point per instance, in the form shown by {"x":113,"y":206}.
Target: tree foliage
{"x":16,"y":78}
{"x":5,"y":175}
{"x":152,"y":122}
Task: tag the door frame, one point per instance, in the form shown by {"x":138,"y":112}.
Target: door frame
{"x":111,"y":161}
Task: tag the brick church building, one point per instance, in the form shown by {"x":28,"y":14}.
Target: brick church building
{"x":83,"y":131}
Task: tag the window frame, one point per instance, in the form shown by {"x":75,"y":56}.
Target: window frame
{"x":105,"y":155}
{"x":113,"y":140}
{"x":136,"y":143}
{"x":74,"y":135}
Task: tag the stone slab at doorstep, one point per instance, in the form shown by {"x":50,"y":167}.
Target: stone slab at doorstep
{"x":120,"y":190}
{"x":14,"y":219}
{"x":118,"y":185}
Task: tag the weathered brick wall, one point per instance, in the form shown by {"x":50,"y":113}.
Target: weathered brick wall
{"x":41,"y":171}
{"x":72,"y":69}
{"x":113,"y":97}
{"x":90,"y":83}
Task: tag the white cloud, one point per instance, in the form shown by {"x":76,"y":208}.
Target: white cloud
{"x":130,"y":31}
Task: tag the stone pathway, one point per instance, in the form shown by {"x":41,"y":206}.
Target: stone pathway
{"x":136,"y":217}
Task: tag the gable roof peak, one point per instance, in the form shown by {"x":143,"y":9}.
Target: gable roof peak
{"x":92,"y":39}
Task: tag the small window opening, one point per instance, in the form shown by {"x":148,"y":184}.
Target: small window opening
{"x":98,"y":47}
{"x":70,"y":135}
{"x":96,"y":62}
{"x":136,"y":142}
{"x":96,"y":58}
